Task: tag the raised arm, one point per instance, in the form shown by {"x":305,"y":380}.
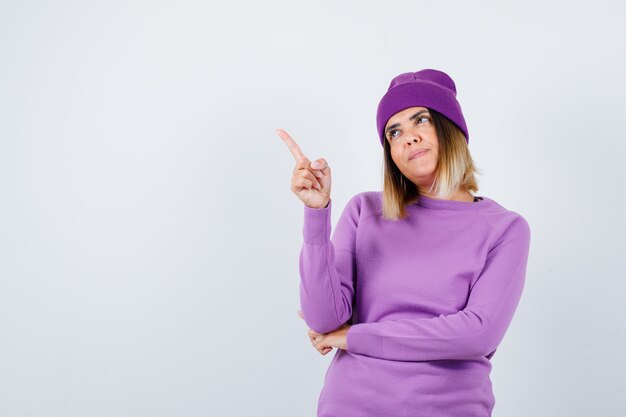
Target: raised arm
{"x":473,"y":332}
{"x":328,"y":267}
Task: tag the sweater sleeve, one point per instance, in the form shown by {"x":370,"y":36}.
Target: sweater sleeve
{"x":328,"y":267}
{"x":475,"y":331}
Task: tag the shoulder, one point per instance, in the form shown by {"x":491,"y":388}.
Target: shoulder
{"x":362,"y":205}
{"x":366,"y":203}
{"x":506,"y":223}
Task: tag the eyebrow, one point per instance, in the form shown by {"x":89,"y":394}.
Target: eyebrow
{"x":410,"y":118}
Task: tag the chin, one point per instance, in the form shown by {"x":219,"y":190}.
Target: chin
{"x":423,"y":167}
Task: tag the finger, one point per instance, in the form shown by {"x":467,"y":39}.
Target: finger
{"x":323,"y":348}
{"x":320,"y":164}
{"x":291,"y":144}
{"x":303,"y":164}
{"x":300,"y":314}
{"x":319,"y":346}
{"x":315,"y":175}
{"x":316,"y":345}
{"x":305,"y":173}
{"x":302,"y":183}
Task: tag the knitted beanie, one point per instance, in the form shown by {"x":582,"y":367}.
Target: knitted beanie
{"x":429,"y":88}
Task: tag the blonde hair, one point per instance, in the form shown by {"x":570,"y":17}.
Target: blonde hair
{"x":455,"y":170}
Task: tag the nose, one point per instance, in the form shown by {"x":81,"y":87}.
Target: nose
{"x":413,"y":139}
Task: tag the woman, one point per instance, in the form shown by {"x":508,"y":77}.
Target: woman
{"x":420,"y":282}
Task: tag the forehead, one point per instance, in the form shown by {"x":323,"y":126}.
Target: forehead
{"x":404,"y":115}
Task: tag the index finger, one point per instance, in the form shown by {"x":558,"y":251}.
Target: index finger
{"x":293,"y":146}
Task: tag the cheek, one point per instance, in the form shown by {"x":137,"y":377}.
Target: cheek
{"x":397,"y":157}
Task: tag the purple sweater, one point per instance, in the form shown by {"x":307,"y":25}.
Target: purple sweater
{"x":429,"y":299}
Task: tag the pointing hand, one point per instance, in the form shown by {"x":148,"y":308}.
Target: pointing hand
{"x":311,"y":180}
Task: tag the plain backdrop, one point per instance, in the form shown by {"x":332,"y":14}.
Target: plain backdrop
{"x":149,"y":239}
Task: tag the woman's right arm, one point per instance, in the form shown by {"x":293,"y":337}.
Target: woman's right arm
{"x":328,"y":267}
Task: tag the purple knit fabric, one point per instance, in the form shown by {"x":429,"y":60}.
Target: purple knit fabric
{"x":429,"y":297}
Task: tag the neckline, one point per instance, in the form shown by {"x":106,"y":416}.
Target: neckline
{"x":443,"y":204}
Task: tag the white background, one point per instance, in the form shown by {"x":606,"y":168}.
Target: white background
{"x":149,"y":240}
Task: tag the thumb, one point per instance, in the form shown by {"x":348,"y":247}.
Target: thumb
{"x":322,"y":165}
{"x":300,"y":313}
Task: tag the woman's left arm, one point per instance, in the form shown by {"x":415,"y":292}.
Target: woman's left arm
{"x":473,"y":332}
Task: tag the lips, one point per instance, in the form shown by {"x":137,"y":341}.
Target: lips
{"x":416,"y":153}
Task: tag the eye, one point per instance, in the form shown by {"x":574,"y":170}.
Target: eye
{"x":391,"y":132}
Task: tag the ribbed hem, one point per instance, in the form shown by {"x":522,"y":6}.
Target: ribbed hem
{"x":316,"y":228}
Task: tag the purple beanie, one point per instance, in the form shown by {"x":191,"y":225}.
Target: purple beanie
{"x":429,"y":88}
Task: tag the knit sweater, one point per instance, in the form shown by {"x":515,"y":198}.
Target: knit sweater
{"x":429,"y":298}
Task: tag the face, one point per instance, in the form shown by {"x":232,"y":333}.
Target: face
{"x":412,"y":130}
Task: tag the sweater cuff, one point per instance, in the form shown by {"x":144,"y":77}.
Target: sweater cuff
{"x":316,"y":227}
{"x":361,"y":342}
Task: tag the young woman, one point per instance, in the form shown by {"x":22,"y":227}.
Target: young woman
{"x":420,"y":282}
